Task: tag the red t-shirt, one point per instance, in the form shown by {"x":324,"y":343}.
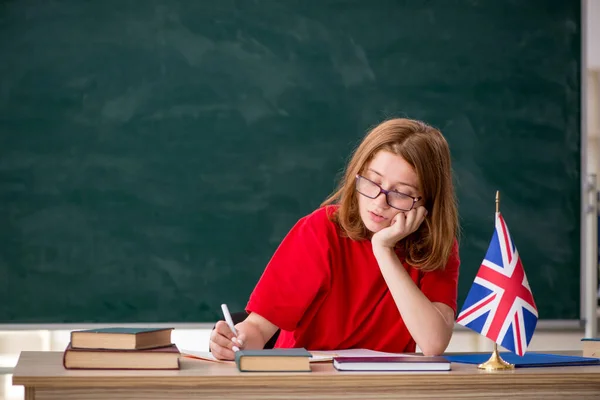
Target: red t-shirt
{"x":326,"y":292}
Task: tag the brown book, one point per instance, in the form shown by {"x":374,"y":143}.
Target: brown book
{"x":121,"y":338}
{"x":272,"y":360}
{"x":157,"y":358}
{"x":591,"y":347}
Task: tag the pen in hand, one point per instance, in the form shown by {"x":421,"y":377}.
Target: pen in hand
{"x":229,"y":323}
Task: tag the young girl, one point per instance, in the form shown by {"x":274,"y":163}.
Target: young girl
{"x":375,"y":267}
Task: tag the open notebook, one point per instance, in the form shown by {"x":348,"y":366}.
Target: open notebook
{"x":317,"y":355}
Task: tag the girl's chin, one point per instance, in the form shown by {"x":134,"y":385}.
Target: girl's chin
{"x":373,"y":227}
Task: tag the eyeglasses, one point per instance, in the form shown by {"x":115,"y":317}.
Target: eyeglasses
{"x":397,"y":200}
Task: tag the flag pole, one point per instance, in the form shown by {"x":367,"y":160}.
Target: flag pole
{"x":496,"y":363}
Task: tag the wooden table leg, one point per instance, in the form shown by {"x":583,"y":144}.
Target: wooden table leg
{"x":29,"y":393}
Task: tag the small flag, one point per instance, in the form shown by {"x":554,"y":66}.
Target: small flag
{"x":500,"y":304}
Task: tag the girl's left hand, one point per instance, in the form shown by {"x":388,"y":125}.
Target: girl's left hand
{"x":403,"y":224}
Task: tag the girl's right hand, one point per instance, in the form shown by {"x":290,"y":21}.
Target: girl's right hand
{"x":223,"y":342}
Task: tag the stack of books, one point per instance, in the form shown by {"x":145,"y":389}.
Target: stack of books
{"x":121,"y":348}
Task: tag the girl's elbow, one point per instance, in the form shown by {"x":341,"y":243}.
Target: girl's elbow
{"x":433,"y":352}
{"x":434,"y":349}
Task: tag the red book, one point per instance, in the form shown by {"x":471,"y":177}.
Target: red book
{"x":158,"y":358}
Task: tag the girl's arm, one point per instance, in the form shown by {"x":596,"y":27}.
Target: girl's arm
{"x":430,"y":324}
{"x":253,"y":333}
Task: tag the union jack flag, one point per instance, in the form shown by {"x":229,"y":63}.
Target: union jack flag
{"x":500,"y":304}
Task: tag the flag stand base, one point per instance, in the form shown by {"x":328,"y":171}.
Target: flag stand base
{"x":496,"y":363}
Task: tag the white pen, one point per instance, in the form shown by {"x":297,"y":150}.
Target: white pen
{"x":229,"y":322}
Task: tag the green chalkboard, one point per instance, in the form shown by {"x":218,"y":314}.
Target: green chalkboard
{"x":154,"y":153}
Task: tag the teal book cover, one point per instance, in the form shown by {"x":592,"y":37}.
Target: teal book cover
{"x":130,"y":331}
{"x":273,"y":360}
{"x":297,"y":352}
{"x":121,"y":338}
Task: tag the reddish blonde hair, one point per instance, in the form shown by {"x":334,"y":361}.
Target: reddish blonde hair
{"x":427,"y":151}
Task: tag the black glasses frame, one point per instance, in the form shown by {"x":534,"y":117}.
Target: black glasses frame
{"x":386,"y":192}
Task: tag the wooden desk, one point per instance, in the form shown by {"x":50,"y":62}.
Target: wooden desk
{"x":44,"y":377}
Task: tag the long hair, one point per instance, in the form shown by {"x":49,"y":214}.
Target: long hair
{"x":427,"y":151}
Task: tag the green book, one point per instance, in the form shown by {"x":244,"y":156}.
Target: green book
{"x":121,"y":338}
{"x":273,"y":360}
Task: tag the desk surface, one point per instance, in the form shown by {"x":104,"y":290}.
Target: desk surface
{"x":42,"y":374}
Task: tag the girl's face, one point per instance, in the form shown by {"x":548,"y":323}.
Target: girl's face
{"x":391,"y":172}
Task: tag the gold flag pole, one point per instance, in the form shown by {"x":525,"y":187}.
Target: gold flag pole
{"x":496,"y":363}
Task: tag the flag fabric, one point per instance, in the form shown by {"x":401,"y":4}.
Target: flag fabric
{"x":500,"y":304}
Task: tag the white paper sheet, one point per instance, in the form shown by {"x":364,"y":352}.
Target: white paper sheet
{"x":317,"y":355}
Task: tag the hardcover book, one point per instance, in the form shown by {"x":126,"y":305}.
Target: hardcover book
{"x":271,"y":360}
{"x":157,"y":358}
{"x":395,"y":363}
{"x":121,"y":338}
{"x":591,"y":347}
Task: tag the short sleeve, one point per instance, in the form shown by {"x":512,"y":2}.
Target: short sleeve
{"x":299,"y":270}
{"x":441,"y":286}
